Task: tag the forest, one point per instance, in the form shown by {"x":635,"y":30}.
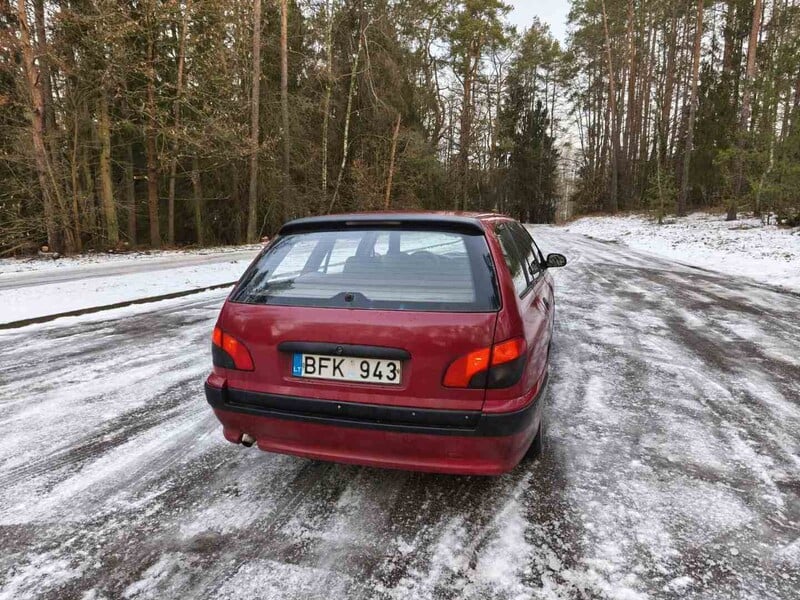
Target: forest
{"x":156,"y":123}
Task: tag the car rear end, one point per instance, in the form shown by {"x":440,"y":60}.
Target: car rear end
{"x":372,"y":340}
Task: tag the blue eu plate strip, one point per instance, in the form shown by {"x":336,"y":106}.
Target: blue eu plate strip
{"x":297,"y":365}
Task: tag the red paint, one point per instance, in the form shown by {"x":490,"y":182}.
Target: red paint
{"x":418,"y":452}
{"x":429,"y":337}
{"x":434,"y":339}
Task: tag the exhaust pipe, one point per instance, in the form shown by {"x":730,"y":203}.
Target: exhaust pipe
{"x":248,"y":440}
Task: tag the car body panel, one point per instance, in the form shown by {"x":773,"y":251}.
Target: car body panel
{"x":493,"y":446}
{"x":429,"y":337}
{"x":529,"y":314}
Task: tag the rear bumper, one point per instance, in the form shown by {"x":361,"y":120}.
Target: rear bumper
{"x":442,"y":441}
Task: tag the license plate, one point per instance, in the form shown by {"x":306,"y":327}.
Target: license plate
{"x":347,"y":368}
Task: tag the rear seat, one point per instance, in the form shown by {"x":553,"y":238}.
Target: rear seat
{"x":406,"y":266}
{"x":362,"y":265}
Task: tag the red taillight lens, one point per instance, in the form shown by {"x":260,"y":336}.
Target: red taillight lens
{"x":461,"y":371}
{"x":477,"y":369}
{"x":507,"y":351}
{"x":241,"y":355}
{"x":229,"y":352}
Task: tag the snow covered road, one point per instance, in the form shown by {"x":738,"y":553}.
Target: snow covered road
{"x":673,"y":466}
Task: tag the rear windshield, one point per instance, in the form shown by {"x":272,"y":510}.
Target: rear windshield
{"x":391,"y":269}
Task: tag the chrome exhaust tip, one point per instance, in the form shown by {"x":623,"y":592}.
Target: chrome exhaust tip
{"x":248,"y":440}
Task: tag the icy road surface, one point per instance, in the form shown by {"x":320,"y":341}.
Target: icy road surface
{"x":673,"y":467}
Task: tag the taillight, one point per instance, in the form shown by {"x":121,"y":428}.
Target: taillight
{"x":508,"y":363}
{"x":230,"y":353}
{"x":461,"y":372}
{"x":497,"y":366}
{"x":507,"y":351}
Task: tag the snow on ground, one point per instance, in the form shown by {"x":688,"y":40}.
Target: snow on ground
{"x":90,"y":260}
{"x":85,"y":287}
{"x":671,"y":469}
{"x":746,"y":247}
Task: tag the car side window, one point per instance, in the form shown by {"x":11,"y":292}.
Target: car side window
{"x":538,"y":251}
{"x":512,"y":258}
{"x":528,"y":251}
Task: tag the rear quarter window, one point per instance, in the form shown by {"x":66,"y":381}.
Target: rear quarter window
{"x":527,"y":251}
{"x":397,"y":269}
{"x":512,"y":258}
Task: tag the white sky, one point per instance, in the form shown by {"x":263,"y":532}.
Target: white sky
{"x":552,"y":12}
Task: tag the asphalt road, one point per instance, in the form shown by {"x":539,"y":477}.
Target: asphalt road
{"x":672,"y":468}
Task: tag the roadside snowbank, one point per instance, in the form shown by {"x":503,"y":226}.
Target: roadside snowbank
{"x":31,"y":301}
{"x":103,"y":259}
{"x":745,"y":247}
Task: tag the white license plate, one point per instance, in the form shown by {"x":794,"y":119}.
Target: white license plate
{"x":347,"y":368}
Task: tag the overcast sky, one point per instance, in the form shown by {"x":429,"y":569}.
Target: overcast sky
{"x":552,"y":12}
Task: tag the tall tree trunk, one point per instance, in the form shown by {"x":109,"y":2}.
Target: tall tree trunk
{"x":150,"y":147}
{"x":130,"y":193}
{"x":645,"y":106}
{"x":750,"y":70}
{"x":795,"y":110}
{"x":669,"y":84}
{"x":687,"y":155}
{"x":392,"y":156}
{"x":680,"y":87}
{"x":106,"y":187}
{"x":744,"y":115}
{"x":348,"y":115}
{"x":465,"y":133}
{"x":729,"y":37}
{"x":252,"y":206}
{"x":76,"y":186}
{"x":43,"y":57}
{"x":612,"y":117}
{"x":88,"y":212}
{"x":629,"y":110}
{"x":197,"y":190}
{"x":37,"y":117}
{"x":592,"y":127}
{"x":326,"y":107}
{"x":792,"y":89}
{"x":285,"y":200}
{"x":176,"y":108}
{"x":771,"y":105}
{"x":238,"y":201}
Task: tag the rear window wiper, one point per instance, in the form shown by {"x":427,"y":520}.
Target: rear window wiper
{"x":255,"y":295}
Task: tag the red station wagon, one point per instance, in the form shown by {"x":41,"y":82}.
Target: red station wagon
{"x":413,"y":341}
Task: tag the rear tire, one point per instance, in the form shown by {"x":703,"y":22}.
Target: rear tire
{"x":537,"y":447}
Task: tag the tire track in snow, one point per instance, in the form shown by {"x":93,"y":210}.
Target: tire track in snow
{"x":61,"y":464}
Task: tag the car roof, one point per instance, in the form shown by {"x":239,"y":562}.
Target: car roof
{"x":457,"y":221}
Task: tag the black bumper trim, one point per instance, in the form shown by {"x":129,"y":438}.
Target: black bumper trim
{"x":372,"y":416}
